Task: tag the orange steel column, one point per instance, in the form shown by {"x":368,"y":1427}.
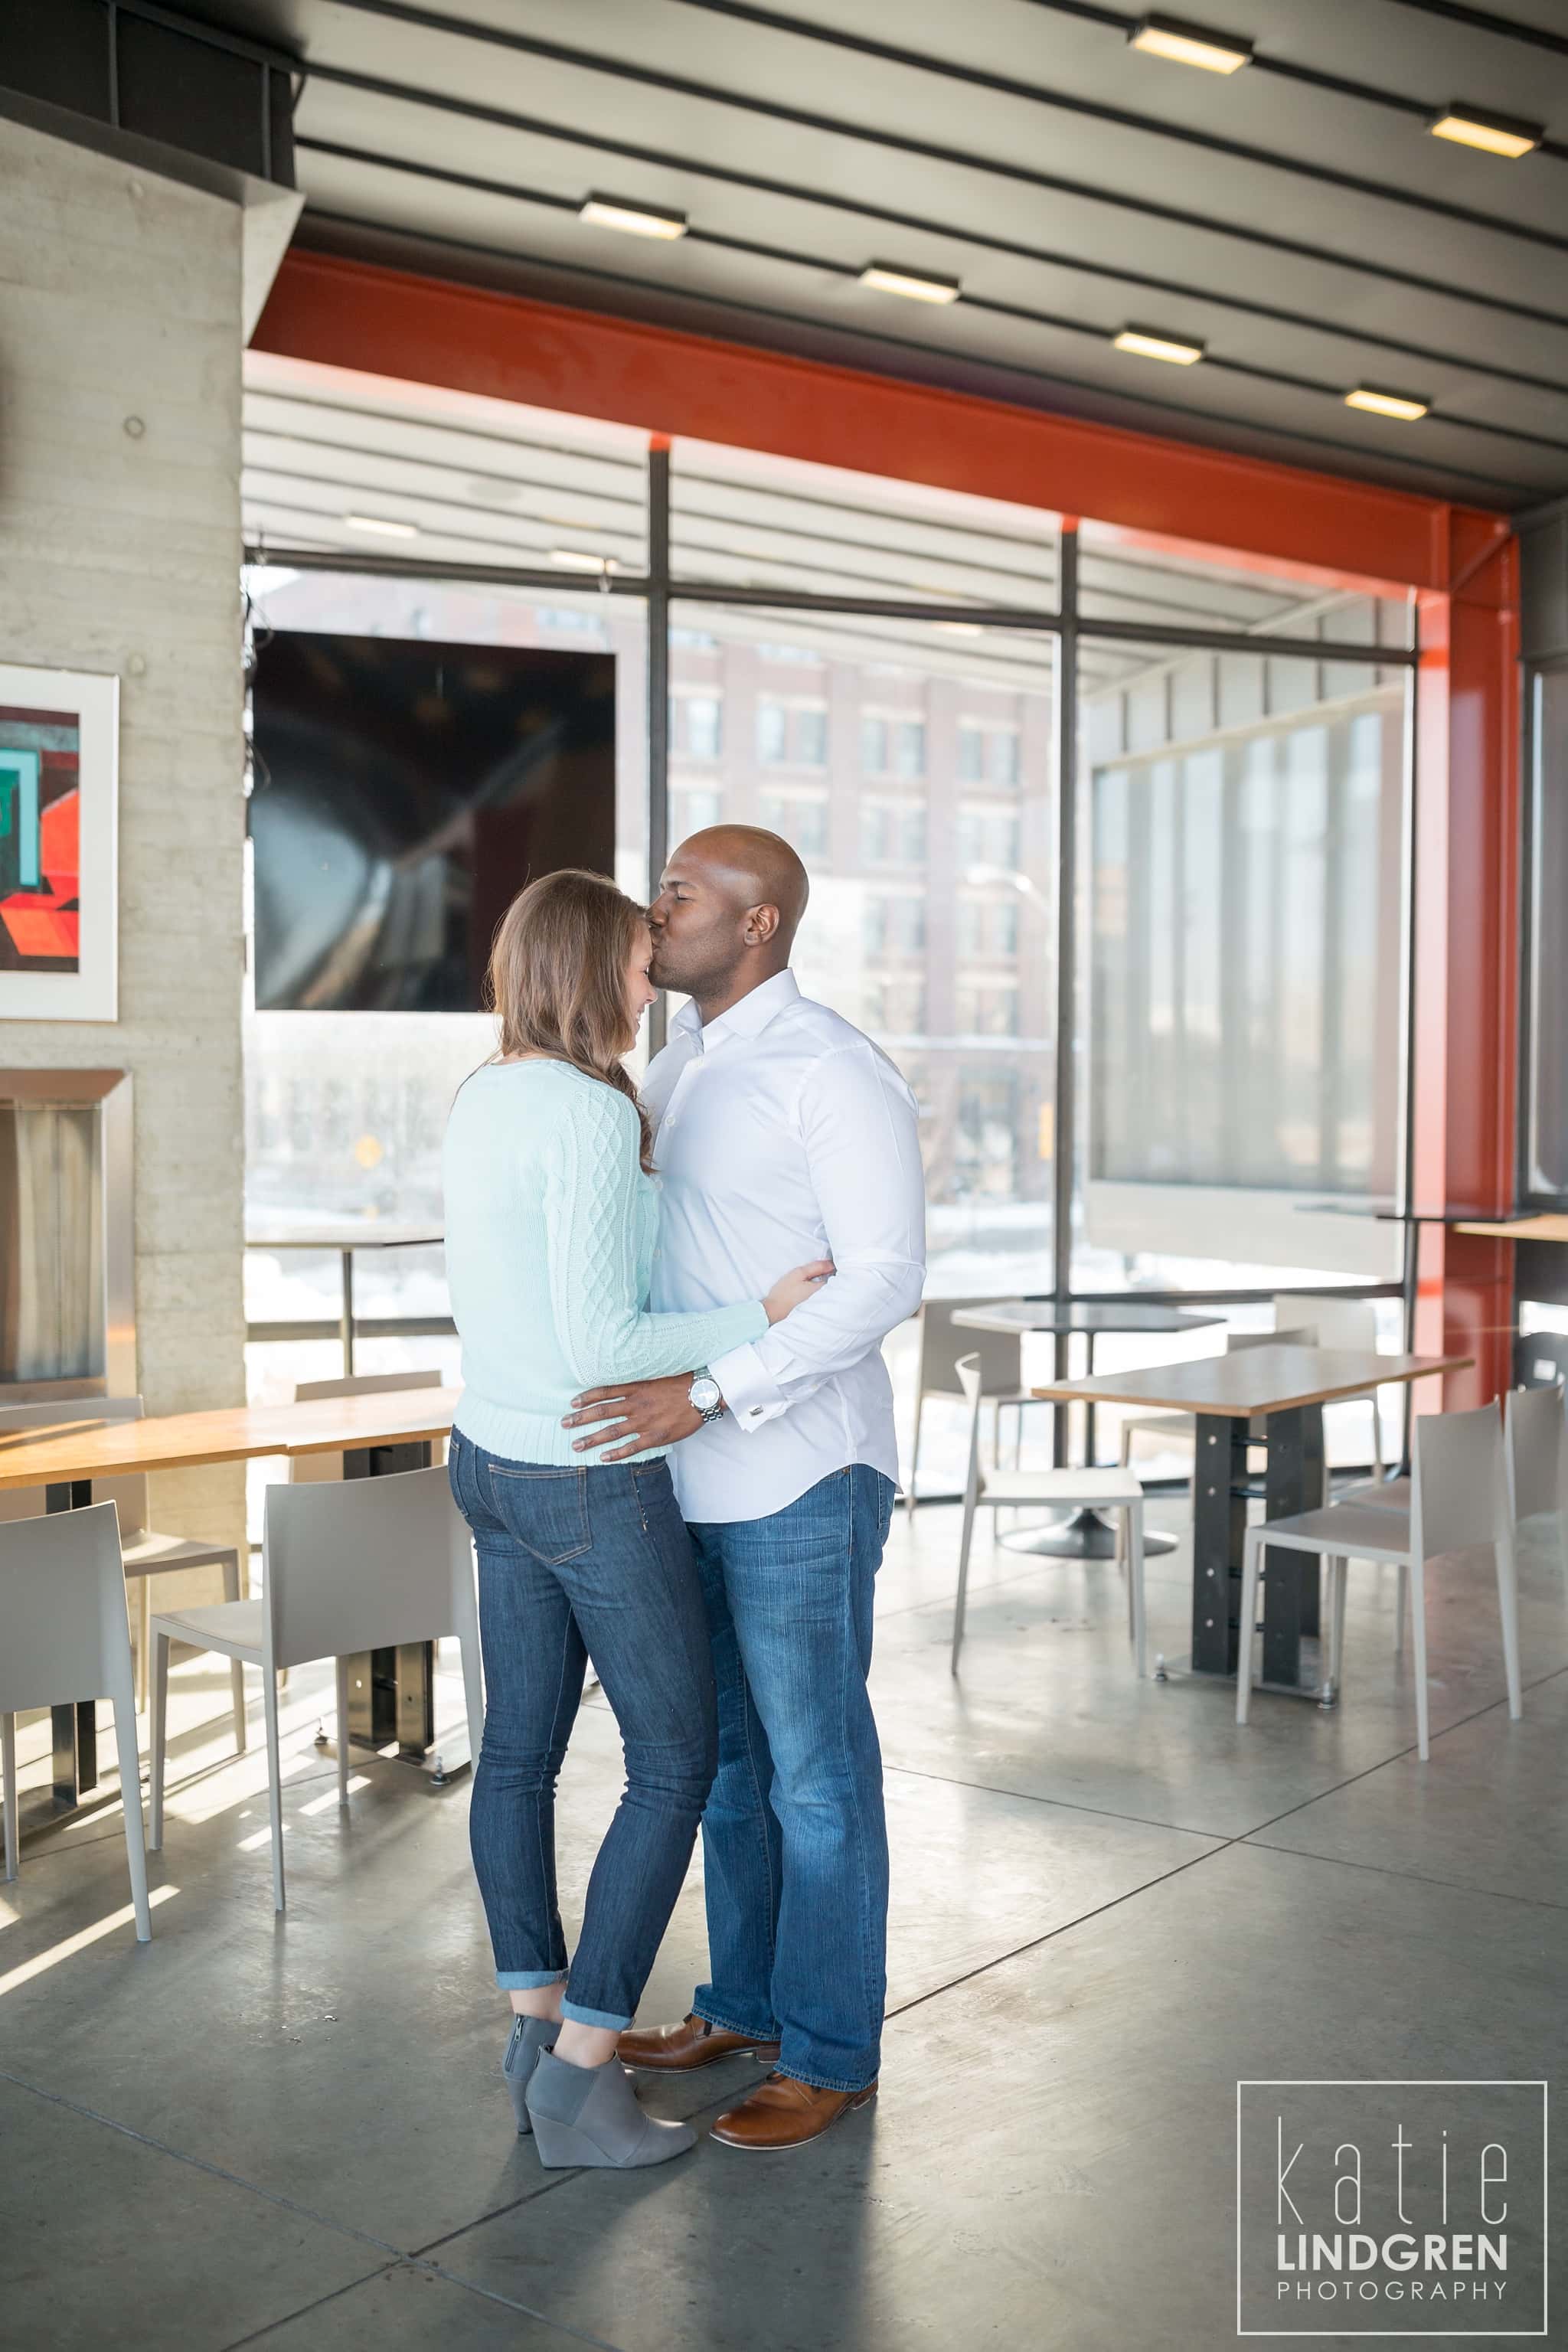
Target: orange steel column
{"x":1466,"y":933}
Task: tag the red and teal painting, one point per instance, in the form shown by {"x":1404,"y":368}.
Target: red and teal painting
{"x":40,"y":838}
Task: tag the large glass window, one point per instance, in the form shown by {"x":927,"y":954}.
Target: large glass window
{"x":932,"y":922}
{"x":1236,"y":1063}
{"x":1244,"y":965}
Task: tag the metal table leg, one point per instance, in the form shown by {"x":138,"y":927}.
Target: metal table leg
{"x":392,"y":1692}
{"x":1290,"y":1581}
{"x":346,"y":1315}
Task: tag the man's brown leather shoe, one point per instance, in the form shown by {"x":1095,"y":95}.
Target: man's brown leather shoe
{"x":680,"y":2049}
{"x":786,"y":2114}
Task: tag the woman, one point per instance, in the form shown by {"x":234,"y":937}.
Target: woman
{"x":552,"y":1216}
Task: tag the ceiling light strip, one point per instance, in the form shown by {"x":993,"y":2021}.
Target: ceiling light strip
{"x":1181,"y":44}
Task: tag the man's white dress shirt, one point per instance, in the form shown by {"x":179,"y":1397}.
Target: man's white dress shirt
{"x":783,"y":1134}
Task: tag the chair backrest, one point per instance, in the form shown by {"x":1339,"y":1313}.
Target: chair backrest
{"x":1534,"y":1427}
{"x":1459,"y":1480}
{"x":1304,"y":1335}
{"x":1344,"y":1322}
{"x":317,"y":1469}
{"x":361,"y":1564}
{"x":62,"y":1610}
{"x":129,"y":1496}
{"x":998,"y":1355}
{"x":364,"y":1384}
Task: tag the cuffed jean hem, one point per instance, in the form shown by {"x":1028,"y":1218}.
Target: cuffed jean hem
{"x":529,"y":1979}
{"x":825,"y":2081}
{"x":733,"y":2025}
{"x":612,"y":2020}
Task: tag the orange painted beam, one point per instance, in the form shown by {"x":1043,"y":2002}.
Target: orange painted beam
{"x":1466,"y":931}
{"x":389,"y":322}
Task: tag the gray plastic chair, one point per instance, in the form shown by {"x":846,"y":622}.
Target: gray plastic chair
{"x":1458,"y":1490}
{"x":66,"y":1637}
{"x":144,"y":1553}
{"x":1536,"y":1436}
{"x":366,"y":1564}
{"x":999,"y":1356}
{"x":1105,"y":1490}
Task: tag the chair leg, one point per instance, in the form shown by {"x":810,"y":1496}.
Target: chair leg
{"x":274,"y":1781}
{"x":1135,"y":1581}
{"x":914,"y":1457}
{"x":1377,"y":1461}
{"x":157,"y":1734}
{"x":1401,"y":1608}
{"x":236,"y":1671}
{"x":961,"y":1599}
{"x":130,"y":1806}
{"x":143,"y":1626}
{"x":9,"y":1793}
{"x":1508,"y":1607}
{"x":1250,"y":1555}
{"x":1419,"y":1623}
{"x":340,"y":1671}
{"x":473,"y":1691}
{"x":1338,"y":1578}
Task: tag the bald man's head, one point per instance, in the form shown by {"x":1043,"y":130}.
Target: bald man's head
{"x":729,"y":906}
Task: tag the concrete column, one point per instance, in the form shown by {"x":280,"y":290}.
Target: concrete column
{"x":122,"y":544}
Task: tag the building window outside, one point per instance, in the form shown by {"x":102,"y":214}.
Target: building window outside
{"x":811,"y":737}
{"x":989,"y":1010}
{"x":908,"y":747}
{"x":692,"y":809}
{"x":698,"y":731}
{"x":773,"y":733}
{"x":874,"y":746}
{"x":803,"y":822}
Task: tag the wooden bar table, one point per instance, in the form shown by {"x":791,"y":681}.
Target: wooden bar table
{"x":1289,"y":1387}
{"x":376,"y":1435}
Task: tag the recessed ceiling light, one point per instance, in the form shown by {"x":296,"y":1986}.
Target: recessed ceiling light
{"x":1386,"y":404}
{"x":384,"y":525}
{"x":636,"y":220}
{"x":1152,"y":346}
{"x":1499,"y":135}
{"x":1191,"y":45}
{"x":915,"y":284}
{"x":577,"y":558}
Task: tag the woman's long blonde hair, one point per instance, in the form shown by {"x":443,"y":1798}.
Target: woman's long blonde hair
{"x":558,"y":979}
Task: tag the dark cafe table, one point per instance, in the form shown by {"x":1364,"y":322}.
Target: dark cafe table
{"x":1086,"y":1536}
{"x":1290,"y":1386}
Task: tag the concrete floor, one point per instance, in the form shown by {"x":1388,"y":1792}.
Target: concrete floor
{"x":1109,"y":1903}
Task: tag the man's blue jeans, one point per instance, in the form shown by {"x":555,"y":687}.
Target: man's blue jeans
{"x":794,"y":1840}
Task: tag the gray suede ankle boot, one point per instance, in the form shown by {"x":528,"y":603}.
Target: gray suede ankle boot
{"x":589,"y":2114}
{"x":530,"y":2036}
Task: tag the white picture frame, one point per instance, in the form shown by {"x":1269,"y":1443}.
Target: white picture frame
{"x":90,"y":703}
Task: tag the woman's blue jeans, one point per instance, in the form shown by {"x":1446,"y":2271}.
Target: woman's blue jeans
{"x":572,"y":1562}
{"x":794,"y":1841}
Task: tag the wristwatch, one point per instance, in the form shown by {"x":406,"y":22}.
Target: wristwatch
{"x":705,"y":1395}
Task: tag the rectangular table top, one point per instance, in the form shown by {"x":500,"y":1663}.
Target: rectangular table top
{"x":1253,"y":1380}
{"x":346,"y":1236}
{"x":1547,"y":1227}
{"x":106,"y":1449}
{"x":1067,"y":1316}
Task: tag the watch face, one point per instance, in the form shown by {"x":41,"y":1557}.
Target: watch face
{"x":704,"y":1394}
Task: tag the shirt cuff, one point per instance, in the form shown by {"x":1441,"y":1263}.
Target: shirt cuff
{"x":749,"y":1390}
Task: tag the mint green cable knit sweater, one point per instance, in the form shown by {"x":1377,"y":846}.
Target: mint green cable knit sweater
{"x":551,"y":1227}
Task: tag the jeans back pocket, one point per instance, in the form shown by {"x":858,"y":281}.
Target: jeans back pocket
{"x":545,"y":1510}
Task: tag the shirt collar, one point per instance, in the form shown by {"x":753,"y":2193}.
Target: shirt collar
{"x":747,"y":1018}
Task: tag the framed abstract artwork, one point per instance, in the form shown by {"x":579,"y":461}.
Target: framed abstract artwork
{"x":60,"y":740}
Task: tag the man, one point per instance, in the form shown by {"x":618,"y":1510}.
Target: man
{"x":783,"y":1135}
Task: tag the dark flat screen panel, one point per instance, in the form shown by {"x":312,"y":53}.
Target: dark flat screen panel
{"x":404,"y":791}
